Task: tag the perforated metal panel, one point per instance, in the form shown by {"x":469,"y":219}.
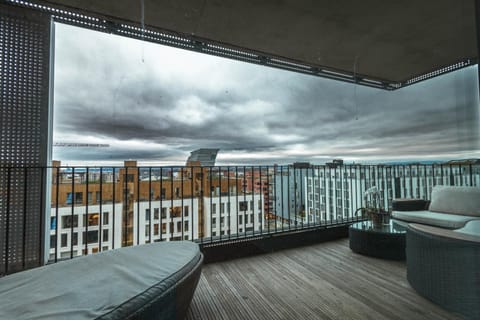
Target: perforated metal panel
{"x":24,"y":74}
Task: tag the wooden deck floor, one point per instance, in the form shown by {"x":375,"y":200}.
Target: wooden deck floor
{"x":324,"y":281}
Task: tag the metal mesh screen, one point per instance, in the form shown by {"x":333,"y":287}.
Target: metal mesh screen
{"x":24,"y":70}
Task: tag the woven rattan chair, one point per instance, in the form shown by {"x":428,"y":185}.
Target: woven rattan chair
{"x":444,"y":266}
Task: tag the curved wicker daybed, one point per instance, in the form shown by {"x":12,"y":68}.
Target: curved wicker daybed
{"x":153,"y":281}
{"x":444,"y":266}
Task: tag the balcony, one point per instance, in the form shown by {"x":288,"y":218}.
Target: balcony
{"x":49,"y":214}
{"x":319,"y":281}
{"x":322,"y":281}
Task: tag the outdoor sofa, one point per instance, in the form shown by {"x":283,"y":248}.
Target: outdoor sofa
{"x":152,"y":281}
{"x":443,"y":247}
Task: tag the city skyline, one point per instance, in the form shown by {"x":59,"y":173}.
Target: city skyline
{"x":155,"y":104}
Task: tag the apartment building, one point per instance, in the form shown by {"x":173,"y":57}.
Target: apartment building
{"x":289,"y":191}
{"x":139,"y":207}
{"x":335,"y":191}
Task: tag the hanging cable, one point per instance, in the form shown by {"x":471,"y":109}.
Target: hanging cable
{"x":142,"y":21}
{"x":355,"y":87}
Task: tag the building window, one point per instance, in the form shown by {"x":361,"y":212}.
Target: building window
{"x":214,"y":222}
{"x":92,"y":219}
{"x":147,"y":214}
{"x":222,"y":208}
{"x":164,"y":213}
{"x":251,"y":218}
{"x":177,"y":192}
{"x":105,"y":235}
{"x":179,"y":226}
{"x":240,"y":218}
{"x":78,"y":198}
{"x":243,"y":205}
{"x":163,"y":193}
{"x":176,"y":212}
{"x":147,"y":230}
{"x":90,"y":197}
{"x":155,"y":229}
{"x":90,"y":237}
{"x":105,"y":218}
{"x":214,"y":208}
{"x":53,"y":223}
{"x":185,"y":226}
{"x":75,"y":239}
{"x":53,"y":241}
{"x":185,"y":211}
{"x":259,"y":204}
{"x":156,"y":213}
{"x":164,"y":227}
{"x":67,"y":221}
{"x":63,"y":240}
{"x":98,"y":196}
{"x":251,"y":205}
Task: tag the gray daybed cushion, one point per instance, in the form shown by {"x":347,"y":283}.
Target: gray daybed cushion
{"x":108,"y":285}
{"x":456,"y":200}
{"x":443,"y":220}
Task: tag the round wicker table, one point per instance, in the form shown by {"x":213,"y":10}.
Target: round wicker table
{"x":385,"y":241}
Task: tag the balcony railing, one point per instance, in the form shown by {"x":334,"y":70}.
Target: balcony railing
{"x":93,"y":209}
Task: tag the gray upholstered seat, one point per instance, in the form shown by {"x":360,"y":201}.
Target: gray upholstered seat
{"x":443,"y":220}
{"x":151,"y":281}
{"x":451,"y":207}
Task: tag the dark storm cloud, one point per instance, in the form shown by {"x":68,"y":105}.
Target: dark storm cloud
{"x":149,"y":102}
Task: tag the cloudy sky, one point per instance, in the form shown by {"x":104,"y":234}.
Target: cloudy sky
{"x":155,"y":104}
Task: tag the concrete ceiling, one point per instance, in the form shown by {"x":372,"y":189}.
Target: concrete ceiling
{"x":391,"y":41}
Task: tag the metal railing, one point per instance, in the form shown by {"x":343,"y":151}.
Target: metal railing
{"x":93,"y":209}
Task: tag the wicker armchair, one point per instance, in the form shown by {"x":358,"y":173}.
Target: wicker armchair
{"x":444,"y":266}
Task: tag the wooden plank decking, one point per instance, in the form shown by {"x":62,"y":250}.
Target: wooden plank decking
{"x":323,"y":281}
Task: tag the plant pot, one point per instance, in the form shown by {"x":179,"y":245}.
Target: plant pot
{"x":379,"y":218}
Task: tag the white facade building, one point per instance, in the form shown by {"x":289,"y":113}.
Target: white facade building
{"x":335,"y":193}
{"x":153,"y":221}
{"x":77,"y":237}
{"x":226,"y":216}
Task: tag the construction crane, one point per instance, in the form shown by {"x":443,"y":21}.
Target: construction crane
{"x":80,"y":145}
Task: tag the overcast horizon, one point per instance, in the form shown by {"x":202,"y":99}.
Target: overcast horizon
{"x":155,"y":104}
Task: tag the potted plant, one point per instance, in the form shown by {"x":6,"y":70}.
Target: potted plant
{"x":373,"y":208}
